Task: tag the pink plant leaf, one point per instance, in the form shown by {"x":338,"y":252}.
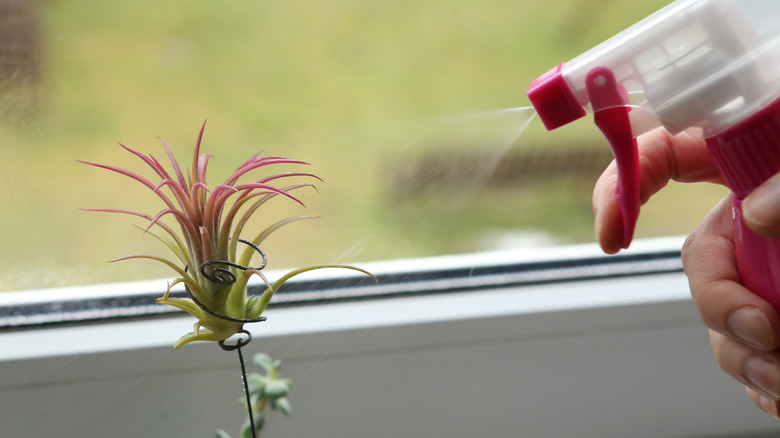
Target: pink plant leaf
{"x":239,"y":226}
{"x":150,"y":161}
{"x":183,"y":220}
{"x":251,"y":186}
{"x":157,"y":165}
{"x":202,"y":186}
{"x":124,"y":172}
{"x":134,"y":176}
{"x":194,"y":286}
{"x":216,"y":202}
{"x":206,"y":244}
{"x":214,"y":205}
{"x":226,"y":226}
{"x":196,"y":157}
{"x":178,"y":250}
{"x":148,"y":217}
{"x":165,"y":261}
{"x":203,"y":162}
{"x":287,"y":175}
{"x":175,"y":164}
{"x":221,"y":193}
{"x":256,"y":157}
{"x":181,"y":194}
{"x":247,"y":254}
{"x":260,"y":162}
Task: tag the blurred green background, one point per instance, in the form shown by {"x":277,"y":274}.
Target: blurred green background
{"x":396,"y":105}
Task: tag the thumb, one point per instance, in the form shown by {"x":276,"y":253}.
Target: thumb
{"x":761,"y":208}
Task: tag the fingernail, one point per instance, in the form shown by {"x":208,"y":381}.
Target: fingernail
{"x":751,"y":326}
{"x":769,"y":406}
{"x":761,"y":206}
{"x":764,"y":375}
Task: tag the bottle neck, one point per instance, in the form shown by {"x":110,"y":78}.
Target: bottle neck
{"x":748,"y":153}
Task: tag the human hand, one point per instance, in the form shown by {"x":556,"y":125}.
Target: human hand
{"x":744,"y":328}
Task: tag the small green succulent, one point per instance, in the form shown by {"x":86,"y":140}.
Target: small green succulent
{"x":210,"y":223}
{"x":267,"y":390}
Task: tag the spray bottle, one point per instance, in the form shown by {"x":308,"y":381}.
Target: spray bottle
{"x":709,"y":67}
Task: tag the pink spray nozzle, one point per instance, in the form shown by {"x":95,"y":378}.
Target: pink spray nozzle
{"x":553,"y":99}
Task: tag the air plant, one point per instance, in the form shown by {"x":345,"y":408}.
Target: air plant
{"x":208,"y":262}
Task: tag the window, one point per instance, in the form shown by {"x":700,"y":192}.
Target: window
{"x":408,"y":111}
{"x":397,"y":107}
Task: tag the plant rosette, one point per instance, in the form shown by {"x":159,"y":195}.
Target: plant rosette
{"x":210,"y":222}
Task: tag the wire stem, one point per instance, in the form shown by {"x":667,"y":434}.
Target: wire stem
{"x":240,"y":343}
{"x":246,"y":391}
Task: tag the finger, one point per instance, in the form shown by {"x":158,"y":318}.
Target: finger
{"x":608,"y":220}
{"x":756,"y":370}
{"x":766,"y":404}
{"x":761,"y":208}
{"x":724,"y":304}
{"x":662,"y":157}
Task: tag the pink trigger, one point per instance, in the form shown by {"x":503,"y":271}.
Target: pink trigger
{"x":610,"y":107}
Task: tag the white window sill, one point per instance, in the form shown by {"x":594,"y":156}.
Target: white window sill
{"x":600,"y":356}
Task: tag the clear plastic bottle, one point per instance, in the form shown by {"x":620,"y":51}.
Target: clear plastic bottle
{"x":711,"y":67}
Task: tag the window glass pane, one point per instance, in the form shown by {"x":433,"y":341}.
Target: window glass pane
{"x":396,"y":105}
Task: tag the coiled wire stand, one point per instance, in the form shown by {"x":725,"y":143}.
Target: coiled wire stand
{"x":224,"y":276}
{"x":241,"y":342}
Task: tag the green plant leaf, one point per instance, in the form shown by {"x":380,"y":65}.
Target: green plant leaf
{"x":246,"y":429}
{"x":277,"y":388}
{"x":222,"y":434}
{"x":263,"y":361}
{"x":247,"y":254}
{"x":255,"y":383}
{"x":266,"y":296}
{"x":282,"y":404}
